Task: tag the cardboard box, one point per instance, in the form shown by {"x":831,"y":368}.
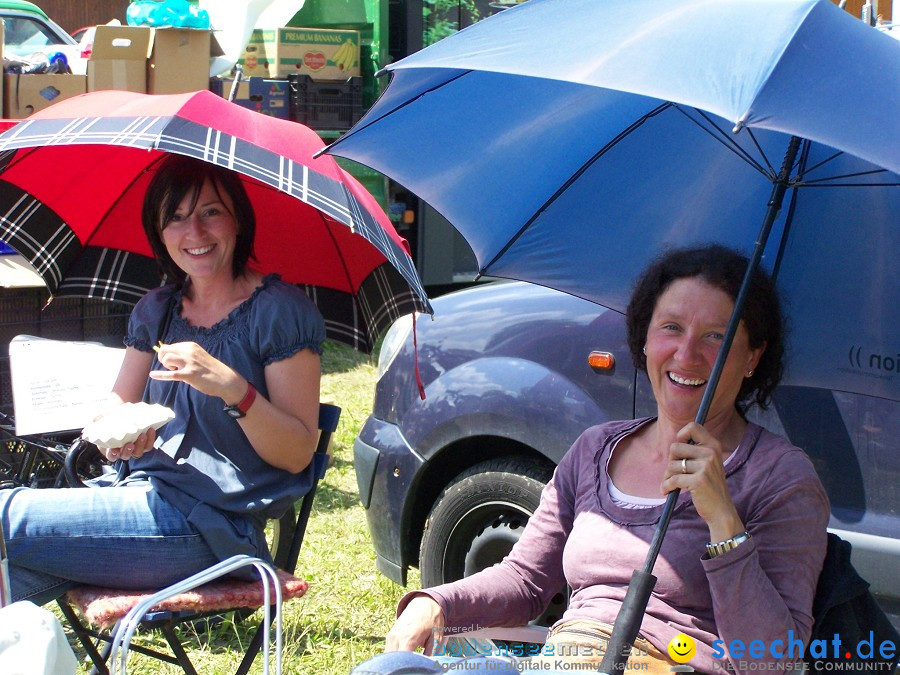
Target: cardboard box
{"x":322,"y":54}
{"x":269,"y":97}
{"x":119,"y":58}
{"x":253,"y":60}
{"x":26,"y":94}
{"x":179,"y":60}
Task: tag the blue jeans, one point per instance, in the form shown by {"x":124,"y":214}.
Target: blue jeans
{"x":123,"y":537}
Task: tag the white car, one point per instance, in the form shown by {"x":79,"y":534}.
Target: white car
{"x":892,"y":29}
{"x":28,"y":32}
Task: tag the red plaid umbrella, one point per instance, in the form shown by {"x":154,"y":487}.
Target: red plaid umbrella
{"x":73,"y":177}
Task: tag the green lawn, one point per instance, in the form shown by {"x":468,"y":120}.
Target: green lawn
{"x":349,"y":607}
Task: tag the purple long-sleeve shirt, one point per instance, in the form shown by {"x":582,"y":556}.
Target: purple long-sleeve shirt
{"x":761,"y":590}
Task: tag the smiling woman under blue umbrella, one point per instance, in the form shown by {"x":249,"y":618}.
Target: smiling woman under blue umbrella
{"x":747,"y":539}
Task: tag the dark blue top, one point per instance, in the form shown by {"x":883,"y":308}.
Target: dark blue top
{"x":203,"y":463}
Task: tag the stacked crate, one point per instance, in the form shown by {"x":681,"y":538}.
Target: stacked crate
{"x":326,"y":104}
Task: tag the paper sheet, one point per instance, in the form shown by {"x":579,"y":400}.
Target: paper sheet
{"x":59,"y":385}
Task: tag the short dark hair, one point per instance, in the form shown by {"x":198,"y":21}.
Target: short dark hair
{"x":722,"y":268}
{"x":177,"y":176}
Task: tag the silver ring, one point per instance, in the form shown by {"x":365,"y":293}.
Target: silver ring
{"x":684,"y":465}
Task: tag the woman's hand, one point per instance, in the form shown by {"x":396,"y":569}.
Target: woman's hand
{"x":282,"y":428}
{"x":132,"y":450}
{"x":698,"y":468}
{"x":421,"y":624}
{"x":189,"y":362}
{"x":129,"y":388}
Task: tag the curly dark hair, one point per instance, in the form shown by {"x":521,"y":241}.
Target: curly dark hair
{"x":177,"y":176}
{"x":722,"y":268}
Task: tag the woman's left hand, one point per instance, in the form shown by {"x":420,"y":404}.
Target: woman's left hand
{"x":189,"y":362}
{"x":133,"y":450}
{"x":698,"y":468}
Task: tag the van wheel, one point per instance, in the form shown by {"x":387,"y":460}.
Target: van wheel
{"x":478,"y":518}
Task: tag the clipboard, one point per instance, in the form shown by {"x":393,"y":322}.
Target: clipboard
{"x":60,"y":385}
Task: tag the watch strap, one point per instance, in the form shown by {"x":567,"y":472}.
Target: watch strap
{"x":721,"y":547}
{"x":240,"y":408}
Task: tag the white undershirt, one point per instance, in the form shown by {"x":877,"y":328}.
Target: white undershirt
{"x":626,"y":501}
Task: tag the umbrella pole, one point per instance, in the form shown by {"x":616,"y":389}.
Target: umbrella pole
{"x":238,"y":75}
{"x":628,"y":620}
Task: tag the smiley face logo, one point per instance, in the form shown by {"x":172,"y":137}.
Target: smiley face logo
{"x":682,"y":648}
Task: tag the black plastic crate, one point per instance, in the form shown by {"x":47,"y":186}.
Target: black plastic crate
{"x":334,"y":105}
{"x":31,"y":462}
{"x":38,"y":460}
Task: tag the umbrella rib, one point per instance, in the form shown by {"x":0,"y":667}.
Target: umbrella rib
{"x":119,"y":198}
{"x":816,"y":182}
{"x":812,"y":184}
{"x":819,"y":182}
{"x":761,"y":152}
{"x":18,"y":155}
{"x":574,"y":177}
{"x":726,"y":140}
{"x":334,"y":242}
{"x":823,"y":162}
{"x":360,"y":127}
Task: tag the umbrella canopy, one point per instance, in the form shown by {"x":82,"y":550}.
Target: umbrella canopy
{"x":657,"y":123}
{"x":73,"y":177}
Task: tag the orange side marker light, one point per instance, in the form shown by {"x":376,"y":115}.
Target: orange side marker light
{"x":603,"y":362}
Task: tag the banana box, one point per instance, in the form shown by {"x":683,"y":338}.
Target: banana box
{"x":320,"y":53}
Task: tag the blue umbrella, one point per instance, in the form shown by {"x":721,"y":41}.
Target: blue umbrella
{"x":569,"y":141}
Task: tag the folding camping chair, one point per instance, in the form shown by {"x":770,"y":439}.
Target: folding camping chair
{"x":105,"y":608}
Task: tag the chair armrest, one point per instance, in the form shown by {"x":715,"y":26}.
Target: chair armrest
{"x":126,"y":627}
{"x":76,"y":452}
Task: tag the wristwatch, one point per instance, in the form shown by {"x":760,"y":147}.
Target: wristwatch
{"x":713,"y":550}
{"x":239,"y":409}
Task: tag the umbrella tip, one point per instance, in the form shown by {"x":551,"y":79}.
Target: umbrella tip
{"x":740,"y":124}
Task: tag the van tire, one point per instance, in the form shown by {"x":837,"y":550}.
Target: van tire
{"x":477,"y":519}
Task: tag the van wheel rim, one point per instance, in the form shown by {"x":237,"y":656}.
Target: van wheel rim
{"x":482,"y":537}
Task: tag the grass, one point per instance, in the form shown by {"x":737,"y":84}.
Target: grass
{"x":343,"y":618}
